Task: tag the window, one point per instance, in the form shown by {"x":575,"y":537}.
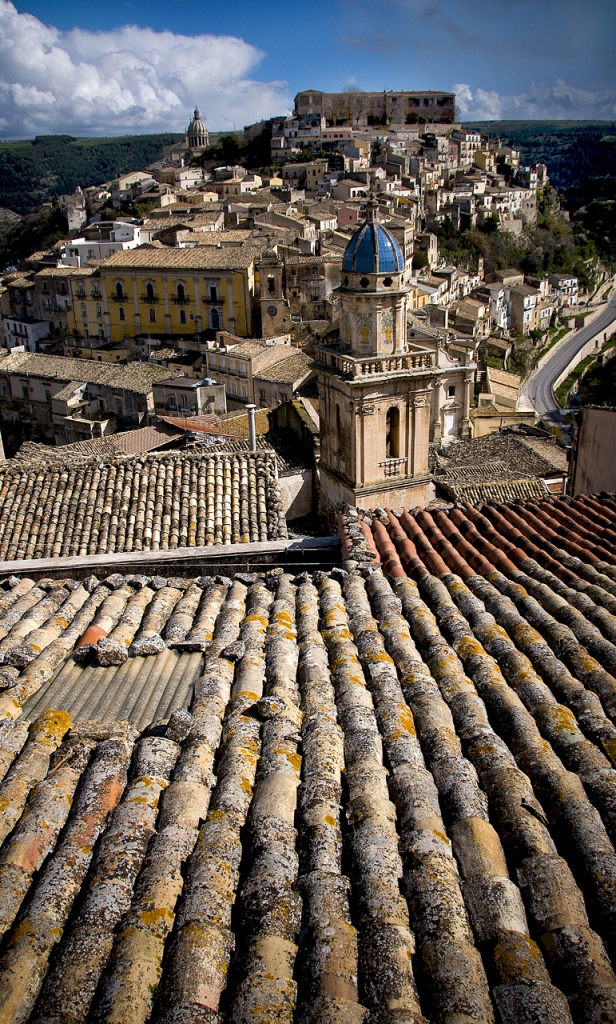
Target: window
{"x":271,"y":286}
{"x":29,"y":298}
{"x":3,"y":390}
{"x":90,"y":254}
{"x":244,"y":392}
{"x":80,"y":291}
{"x":96,"y":292}
{"x":119,"y":291}
{"x":451,"y":391}
{"x":24,"y":391}
{"x":213,"y":293}
{"x":261,"y":396}
{"x":83,"y":309}
{"x":215,"y":320}
{"x":338,"y":438}
{"x":99,"y":311}
{"x":182,"y":316}
{"x":223,"y":364}
{"x":101,"y":332}
{"x":233,"y":388}
{"x":392,"y":433}
{"x":152,"y":316}
{"x":314,"y":271}
{"x":242,"y":369}
{"x":181,"y":293}
{"x":86,"y":332}
{"x":149,"y":292}
{"x":121,"y":313}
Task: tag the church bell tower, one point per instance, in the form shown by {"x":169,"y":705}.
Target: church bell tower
{"x":374,"y":388}
{"x":275,"y":314}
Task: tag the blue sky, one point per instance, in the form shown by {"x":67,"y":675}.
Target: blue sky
{"x":140,"y":65}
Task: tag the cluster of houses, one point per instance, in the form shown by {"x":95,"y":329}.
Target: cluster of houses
{"x":192,"y":270}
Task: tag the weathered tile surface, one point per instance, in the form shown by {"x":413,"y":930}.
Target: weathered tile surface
{"x":384,"y":793}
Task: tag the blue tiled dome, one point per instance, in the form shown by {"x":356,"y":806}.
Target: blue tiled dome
{"x":372,"y":250}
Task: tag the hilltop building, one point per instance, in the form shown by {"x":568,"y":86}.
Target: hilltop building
{"x":365,"y":108}
{"x":196,"y":140}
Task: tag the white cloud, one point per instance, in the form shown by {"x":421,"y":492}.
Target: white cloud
{"x":540,"y":102}
{"x":128,"y":80}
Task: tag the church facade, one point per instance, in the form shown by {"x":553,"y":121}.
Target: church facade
{"x":379,"y":392}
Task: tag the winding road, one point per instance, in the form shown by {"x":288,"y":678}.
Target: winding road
{"x":540,"y":386}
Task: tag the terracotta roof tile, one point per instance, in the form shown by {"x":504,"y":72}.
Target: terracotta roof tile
{"x":137,"y":377}
{"x":106,"y":503}
{"x":451,"y":686}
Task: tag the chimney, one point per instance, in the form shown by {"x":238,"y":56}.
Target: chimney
{"x":252,"y":429}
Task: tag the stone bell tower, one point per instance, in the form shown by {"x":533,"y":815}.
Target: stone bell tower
{"x":374,"y":388}
{"x":275,"y":314}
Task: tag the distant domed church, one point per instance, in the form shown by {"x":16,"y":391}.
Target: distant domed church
{"x":196,"y":140}
{"x":197,"y":135}
{"x":382,"y":385}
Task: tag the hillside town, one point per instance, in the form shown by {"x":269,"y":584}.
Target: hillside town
{"x":307,"y":591}
{"x":191,"y":291}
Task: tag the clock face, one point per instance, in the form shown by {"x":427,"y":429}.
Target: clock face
{"x":272,"y":310}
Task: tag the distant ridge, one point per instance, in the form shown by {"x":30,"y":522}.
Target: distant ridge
{"x":38,"y":170}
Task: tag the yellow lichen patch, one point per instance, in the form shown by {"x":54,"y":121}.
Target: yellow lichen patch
{"x":153,"y":917}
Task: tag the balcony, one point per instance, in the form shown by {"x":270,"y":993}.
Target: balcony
{"x":214,"y":302}
{"x":393,"y":467}
{"x":119,"y":298}
{"x":150,"y":300}
{"x":181,"y":302}
{"x":353,"y":366}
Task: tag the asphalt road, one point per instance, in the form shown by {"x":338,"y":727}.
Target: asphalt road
{"x":540,"y":387}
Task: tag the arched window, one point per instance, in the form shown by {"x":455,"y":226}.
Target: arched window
{"x":83,"y":309}
{"x":271,"y":285}
{"x":215,"y":320}
{"x":121,"y":313}
{"x":182,"y":316}
{"x":392,"y":433}
{"x":181,"y":293}
{"x":119,"y":291}
{"x":149,"y":293}
{"x":152,"y":316}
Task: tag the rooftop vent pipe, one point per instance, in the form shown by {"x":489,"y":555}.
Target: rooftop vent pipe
{"x":252,"y":429}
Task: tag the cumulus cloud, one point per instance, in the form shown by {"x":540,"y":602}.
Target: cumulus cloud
{"x":541,"y":102}
{"x":130,"y":79}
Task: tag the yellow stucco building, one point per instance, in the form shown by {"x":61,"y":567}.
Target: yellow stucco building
{"x":156,"y":290}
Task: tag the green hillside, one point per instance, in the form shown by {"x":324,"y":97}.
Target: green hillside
{"x":38,"y":170}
